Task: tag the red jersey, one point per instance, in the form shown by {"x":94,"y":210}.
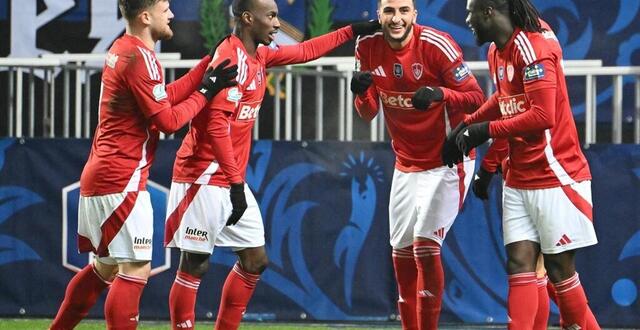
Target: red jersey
{"x":216,"y":148}
{"x":132,"y":91}
{"x":532,"y":101}
{"x":431,"y":58}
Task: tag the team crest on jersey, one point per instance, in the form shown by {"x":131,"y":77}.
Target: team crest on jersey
{"x":416,"y":68}
{"x":397,"y":70}
{"x":501,"y":73}
{"x":234,"y":94}
{"x":510,"y":72}
{"x":534,"y":72}
{"x":159,"y":92}
{"x":461,"y":72}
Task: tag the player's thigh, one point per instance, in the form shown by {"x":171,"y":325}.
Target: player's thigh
{"x":402,"y":208}
{"x":195,"y":216}
{"x":563,"y":216}
{"x":248,"y":232}
{"x":119,"y":225}
{"x":440,"y":195}
{"x":517,"y":223}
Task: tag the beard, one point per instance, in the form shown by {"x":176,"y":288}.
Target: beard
{"x":165,"y":34}
{"x":480,"y":36}
{"x":404,"y":36}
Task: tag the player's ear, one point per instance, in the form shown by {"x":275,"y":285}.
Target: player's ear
{"x":247,"y":18}
{"x":415,"y":16}
{"x":145,"y":17}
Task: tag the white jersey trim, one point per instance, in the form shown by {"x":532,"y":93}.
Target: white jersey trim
{"x":206,"y":175}
{"x":134,"y":181}
{"x":555,"y":166}
{"x":441,"y":42}
{"x":151,"y":63}
{"x":526,"y":50}
{"x":243,"y":68}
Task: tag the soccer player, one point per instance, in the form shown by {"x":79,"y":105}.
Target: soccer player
{"x":419,"y":75}
{"x":547,"y":205}
{"x":209,"y":203}
{"x":115,"y":219}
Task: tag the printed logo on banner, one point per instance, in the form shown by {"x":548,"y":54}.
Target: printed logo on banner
{"x":291,"y":271}
{"x":14,"y":199}
{"x":71,"y":259}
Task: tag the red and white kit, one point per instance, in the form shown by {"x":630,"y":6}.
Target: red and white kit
{"x":215,"y":152}
{"x":425,"y":195}
{"x":115,"y":216}
{"x":547,"y":196}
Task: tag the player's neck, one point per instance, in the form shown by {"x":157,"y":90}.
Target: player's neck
{"x":247,"y":41}
{"x":504,"y":32}
{"x":143,"y":34}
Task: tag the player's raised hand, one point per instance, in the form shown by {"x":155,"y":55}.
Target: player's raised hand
{"x":218,"y":78}
{"x":481,"y":182}
{"x":451,"y":155}
{"x":423,"y":97}
{"x":238,"y":201}
{"x":360,"y":82}
{"x":364,"y":28}
{"x":472,"y":136}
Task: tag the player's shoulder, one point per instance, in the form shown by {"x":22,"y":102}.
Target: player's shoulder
{"x":533,"y":46}
{"x":369,"y":41}
{"x":434,"y":40}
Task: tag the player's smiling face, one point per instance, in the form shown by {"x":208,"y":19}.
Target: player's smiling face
{"x":477,"y":22}
{"x":397,"y":18}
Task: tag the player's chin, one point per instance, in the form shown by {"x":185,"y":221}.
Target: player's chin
{"x":168,"y":34}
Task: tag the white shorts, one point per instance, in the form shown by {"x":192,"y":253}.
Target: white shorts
{"x":197,"y":216}
{"x":425,"y":204}
{"x":118,"y":226}
{"x":560,"y":218}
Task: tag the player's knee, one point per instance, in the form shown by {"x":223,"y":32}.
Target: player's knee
{"x":255,"y":264}
{"x":194,"y":264}
{"x":518,"y":263}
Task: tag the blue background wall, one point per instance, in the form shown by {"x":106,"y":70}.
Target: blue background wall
{"x":325,"y":211}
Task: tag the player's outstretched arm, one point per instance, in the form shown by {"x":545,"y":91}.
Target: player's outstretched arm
{"x":213,"y":81}
{"x":180,"y":89}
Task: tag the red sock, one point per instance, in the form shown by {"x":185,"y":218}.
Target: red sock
{"x":82,"y":292}
{"x":552,"y":295}
{"x":542,"y":316}
{"x":522,"y":300}
{"x":182,"y":301}
{"x":592,"y":323}
{"x":121,"y":306}
{"x":404,"y":266}
{"x":236,"y":293}
{"x":572,"y":302}
{"x":430,"y":283}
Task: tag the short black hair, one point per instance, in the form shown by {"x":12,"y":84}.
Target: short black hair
{"x":521,"y":12}
{"x":240,"y":6}
{"x":414,"y":2}
{"x":131,"y":8}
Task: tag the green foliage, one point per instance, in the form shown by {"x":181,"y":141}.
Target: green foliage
{"x":320,"y":17}
{"x":213,"y":22}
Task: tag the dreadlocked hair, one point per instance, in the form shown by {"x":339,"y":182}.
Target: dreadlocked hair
{"x":524,"y":15}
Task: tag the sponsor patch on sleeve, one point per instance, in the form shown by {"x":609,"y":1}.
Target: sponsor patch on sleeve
{"x":234,"y":94}
{"x":159,"y":92}
{"x":534,"y":72}
{"x":461,"y":72}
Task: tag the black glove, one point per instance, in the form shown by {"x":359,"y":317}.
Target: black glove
{"x":238,"y":201}
{"x":481,"y":183}
{"x":472,"y":136}
{"x":451,"y":155}
{"x":217,"y":79}
{"x":360,"y":82}
{"x":364,"y":28}
{"x":423,"y":97}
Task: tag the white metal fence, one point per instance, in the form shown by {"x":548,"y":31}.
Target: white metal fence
{"x":317,"y":85}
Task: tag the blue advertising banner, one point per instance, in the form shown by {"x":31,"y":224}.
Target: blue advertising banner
{"x":324,"y":206}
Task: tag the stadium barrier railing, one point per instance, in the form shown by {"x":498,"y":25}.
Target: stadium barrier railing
{"x":77,"y":95}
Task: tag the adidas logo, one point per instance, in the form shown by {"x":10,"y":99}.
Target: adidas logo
{"x":379,"y":71}
{"x":425,"y":293}
{"x":439,"y":233}
{"x":252,"y":87}
{"x":563,"y":241}
{"x":135,"y":319}
{"x":573,"y":327}
{"x":185,"y":325}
